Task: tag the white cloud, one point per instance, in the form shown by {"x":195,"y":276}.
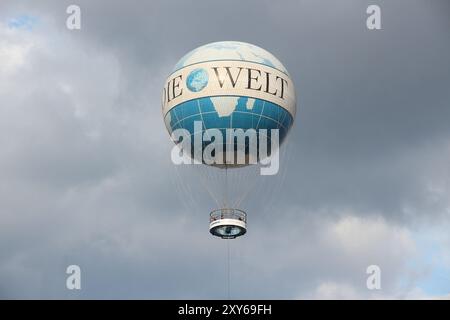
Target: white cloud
{"x":335,"y":291}
{"x":344,"y":291}
{"x":15,"y":45}
{"x":353,"y":242}
{"x":357,"y":235}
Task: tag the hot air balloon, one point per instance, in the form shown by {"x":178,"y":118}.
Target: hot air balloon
{"x":229,"y":106}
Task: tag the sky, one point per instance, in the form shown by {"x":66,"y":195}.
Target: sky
{"x":86,"y":177}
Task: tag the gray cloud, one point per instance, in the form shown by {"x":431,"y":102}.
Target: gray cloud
{"x":86,"y":176}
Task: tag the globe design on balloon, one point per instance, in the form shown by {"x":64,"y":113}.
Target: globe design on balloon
{"x":197,"y":80}
{"x":240,"y":107}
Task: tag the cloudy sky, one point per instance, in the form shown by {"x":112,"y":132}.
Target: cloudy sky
{"x":86,"y":176}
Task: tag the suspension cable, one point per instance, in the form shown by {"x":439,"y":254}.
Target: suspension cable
{"x":229,"y":268}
